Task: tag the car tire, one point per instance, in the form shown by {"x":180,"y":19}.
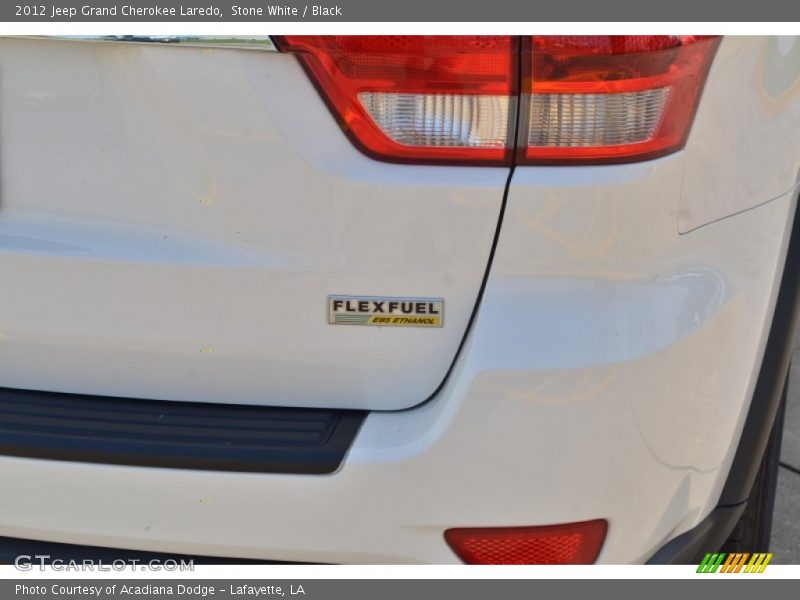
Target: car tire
{"x":753,"y":530}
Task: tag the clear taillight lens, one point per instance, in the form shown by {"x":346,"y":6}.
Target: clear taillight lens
{"x":591,"y":120}
{"x":599,"y":99}
{"x":440,"y":120}
{"x":418,"y":98}
{"x":455,"y":99}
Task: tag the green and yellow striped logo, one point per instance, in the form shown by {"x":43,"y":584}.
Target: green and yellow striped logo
{"x":734,"y":563}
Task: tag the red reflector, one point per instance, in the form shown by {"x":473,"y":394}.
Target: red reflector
{"x":417,"y":98}
{"x":595,"y":99}
{"x":568,"y":544}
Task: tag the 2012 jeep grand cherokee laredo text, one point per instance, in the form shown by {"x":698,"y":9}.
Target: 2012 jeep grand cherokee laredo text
{"x":392,"y":299}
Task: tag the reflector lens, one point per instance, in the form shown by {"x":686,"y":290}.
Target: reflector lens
{"x":598,"y":99}
{"x":568,"y":544}
{"x":417,"y":98}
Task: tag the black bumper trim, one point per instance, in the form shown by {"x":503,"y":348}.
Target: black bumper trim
{"x":771,"y":378}
{"x":708,"y":536}
{"x":181,"y":435}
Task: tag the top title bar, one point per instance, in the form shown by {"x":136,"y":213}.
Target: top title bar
{"x":466,"y":11}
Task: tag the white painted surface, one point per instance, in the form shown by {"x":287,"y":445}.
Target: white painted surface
{"x":173,"y":220}
{"x":607,"y":375}
{"x":632,"y":417}
{"x":744,"y":148}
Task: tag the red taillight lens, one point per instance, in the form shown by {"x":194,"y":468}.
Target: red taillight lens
{"x":584,"y":99}
{"x":418,"y":98}
{"x":596,"y":99}
{"x":569,"y":544}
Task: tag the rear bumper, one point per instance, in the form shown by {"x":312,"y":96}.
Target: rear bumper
{"x":180,"y":435}
{"x":578,"y":395}
{"x":708,"y":535}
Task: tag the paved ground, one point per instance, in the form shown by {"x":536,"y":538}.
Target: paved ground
{"x":786,"y":526}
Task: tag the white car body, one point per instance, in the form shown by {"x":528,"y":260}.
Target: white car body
{"x":173,"y":219}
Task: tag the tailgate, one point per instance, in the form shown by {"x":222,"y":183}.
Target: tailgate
{"x":173,"y":221}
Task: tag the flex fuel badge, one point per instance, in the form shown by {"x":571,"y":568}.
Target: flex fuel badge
{"x":385,"y":311}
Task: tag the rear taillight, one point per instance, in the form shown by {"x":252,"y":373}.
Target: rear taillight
{"x":568,"y":544}
{"x":610,"y":98}
{"x":582,"y":99}
{"x":418,"y":98}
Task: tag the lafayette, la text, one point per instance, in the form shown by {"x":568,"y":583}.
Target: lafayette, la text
{"x":149,"y":589}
